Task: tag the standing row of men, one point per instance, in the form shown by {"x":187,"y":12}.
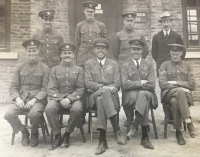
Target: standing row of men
{"x":66,"y":83}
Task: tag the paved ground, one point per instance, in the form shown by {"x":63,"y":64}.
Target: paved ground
{"x":163,"y":147}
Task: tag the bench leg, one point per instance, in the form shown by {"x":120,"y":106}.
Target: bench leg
{"x":154,"y":124}
{"x":13,"y":138}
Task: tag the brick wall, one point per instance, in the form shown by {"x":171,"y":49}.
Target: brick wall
{"x":25,"y":22}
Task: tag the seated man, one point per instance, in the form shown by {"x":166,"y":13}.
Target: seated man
{"x":65,"y":89}
{"x":176,"y":81}
{"x":28,"y":90}
{"x":103,"y":80}
{"x":138,"y":81}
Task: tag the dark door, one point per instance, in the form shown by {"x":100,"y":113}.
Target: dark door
{"x":108,"y":11}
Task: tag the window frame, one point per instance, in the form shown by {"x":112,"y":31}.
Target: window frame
{"x":7,"y":46}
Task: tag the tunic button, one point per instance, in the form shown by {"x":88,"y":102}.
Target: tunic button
{"x":102,"y":77}
{"x":66,"y":74}
{"x":47,"y":39}
{"x":47,"y":34}
{"x":47,"y":56}
{"x":90,"y":40}
{"x":47,"y":45}
{"x":90,"y":29}
{"x":90,"y":34}
{"x":47,"y":50}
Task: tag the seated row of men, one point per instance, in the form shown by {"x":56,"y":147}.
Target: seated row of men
{"x":66,"y":85}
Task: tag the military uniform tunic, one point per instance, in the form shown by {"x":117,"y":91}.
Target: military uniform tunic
{"x":134,"y":94}
{"x":29,"y":81}
{"x":50,"y":40}
{"x":182,"y":73}
{"x":65,"y":81}
{"x":86,"y":33}
{"x":121,"y":46}
{"x":96,"y":77}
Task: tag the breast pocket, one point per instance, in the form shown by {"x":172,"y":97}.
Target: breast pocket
{"x":133,"y":75}
{"x":109,"y":74}
{"x":61,"y":79}
{"x":96,"y":32}
{"x":171,"y":75}
{"x":73,"y":77}
{"x":95,"y":76}
{"x":124,"y":43}
{"x":23,"y":78}
{"x":54,"y":43}
{"x":144,"y":72}
{"x":84,"y":33}
{"x":183,"y":74}
{"x":36,"y":79}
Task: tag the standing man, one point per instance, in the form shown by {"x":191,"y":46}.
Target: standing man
{"x":65,"y":90}
{"x":160,"y":50}
{"x":49,"y":38}
{"x":86,"y":32}
{"x":102,"y":79}
{"x":28,"y":91}
{"x":121,"y":47}
{"x":176,"y":81}
{"x":138,"y":80}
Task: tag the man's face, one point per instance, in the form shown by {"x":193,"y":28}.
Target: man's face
{"x":100,"y":52}
{"x":176,"y":56}
{"x":89,"y":14}
{"x":32,"y":53}
{"x":136,"y":53}
{"x":67,"y":56}
{"x":166,"y":24}
{"x":129,"y":23}
{"x":47,"y":24}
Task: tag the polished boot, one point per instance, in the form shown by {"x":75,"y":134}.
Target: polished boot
{"x":180,"y":139}
{"x":34,"y":139}
{"x":56,"y":142}
{"x":147,"y":143}
{"x":101,"y":147}
{"x":119,"y":138}
{"x":25,"y":136}
{"x":65,"y":143}
{"x":191,"y":130}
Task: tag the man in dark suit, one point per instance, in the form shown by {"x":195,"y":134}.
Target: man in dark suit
{"x":102,"y":80}
{"x":138,"y":80}
{"x":160,"y":50}
{"x":176,"y":80}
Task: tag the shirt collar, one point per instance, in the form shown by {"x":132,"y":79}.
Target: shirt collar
{"x":102,"y":61}
{"x":136,"y":62}
{"x":164,"y":31}
{"x":63,"y":63}
{"x":32,"y":63}
{"x":89,"y":21}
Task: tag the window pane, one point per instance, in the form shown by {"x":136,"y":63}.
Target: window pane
{"x":192,"y":27}
{"x":193,"y":40}
{"x":191,"y":3}
{"x":2,"y":23}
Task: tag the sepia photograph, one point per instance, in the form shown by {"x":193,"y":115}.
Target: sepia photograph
{"x":109,"y":78}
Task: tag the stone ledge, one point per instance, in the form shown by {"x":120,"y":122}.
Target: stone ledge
{"x":8,"y":55}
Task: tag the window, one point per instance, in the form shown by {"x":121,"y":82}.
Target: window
{"x":5,"y":25}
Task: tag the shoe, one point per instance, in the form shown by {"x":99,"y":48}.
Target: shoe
{"x":133,"y":131}
{"x":180,"y":139}
{"x":191,"y":130}
{"x":65,"y":143}
{"x":25,"y":137}
{"x":56,"y":143}
{"x":101,"y":147}
{"x":119,"y":138}
{"x":147,"y":143}
{"x":34,"y":139}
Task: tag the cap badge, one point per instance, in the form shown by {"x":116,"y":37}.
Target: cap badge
{"x":129,"y":15}
{"x":175,"y":48}
{"x":90,"y":5}
{"x":48,"y":13}
{"x":32,"y":43}
{"x":136,"y":42}
{"x":67,"y":46}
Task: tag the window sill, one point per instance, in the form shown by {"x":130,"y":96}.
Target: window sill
{"x":8,"y":55}
{"x":192,"y":54}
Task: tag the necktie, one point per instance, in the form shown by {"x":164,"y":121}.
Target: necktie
{"x":166,"y":35}
{"x":101,"y":65}
{"x":137,"y":64}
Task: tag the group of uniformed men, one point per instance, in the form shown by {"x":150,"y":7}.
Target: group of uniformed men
{"x":65,"y":72}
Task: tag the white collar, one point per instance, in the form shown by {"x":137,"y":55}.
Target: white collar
{"x":136,"y":62}
{"x":164,"y":31}
{"x":102,"y":61}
